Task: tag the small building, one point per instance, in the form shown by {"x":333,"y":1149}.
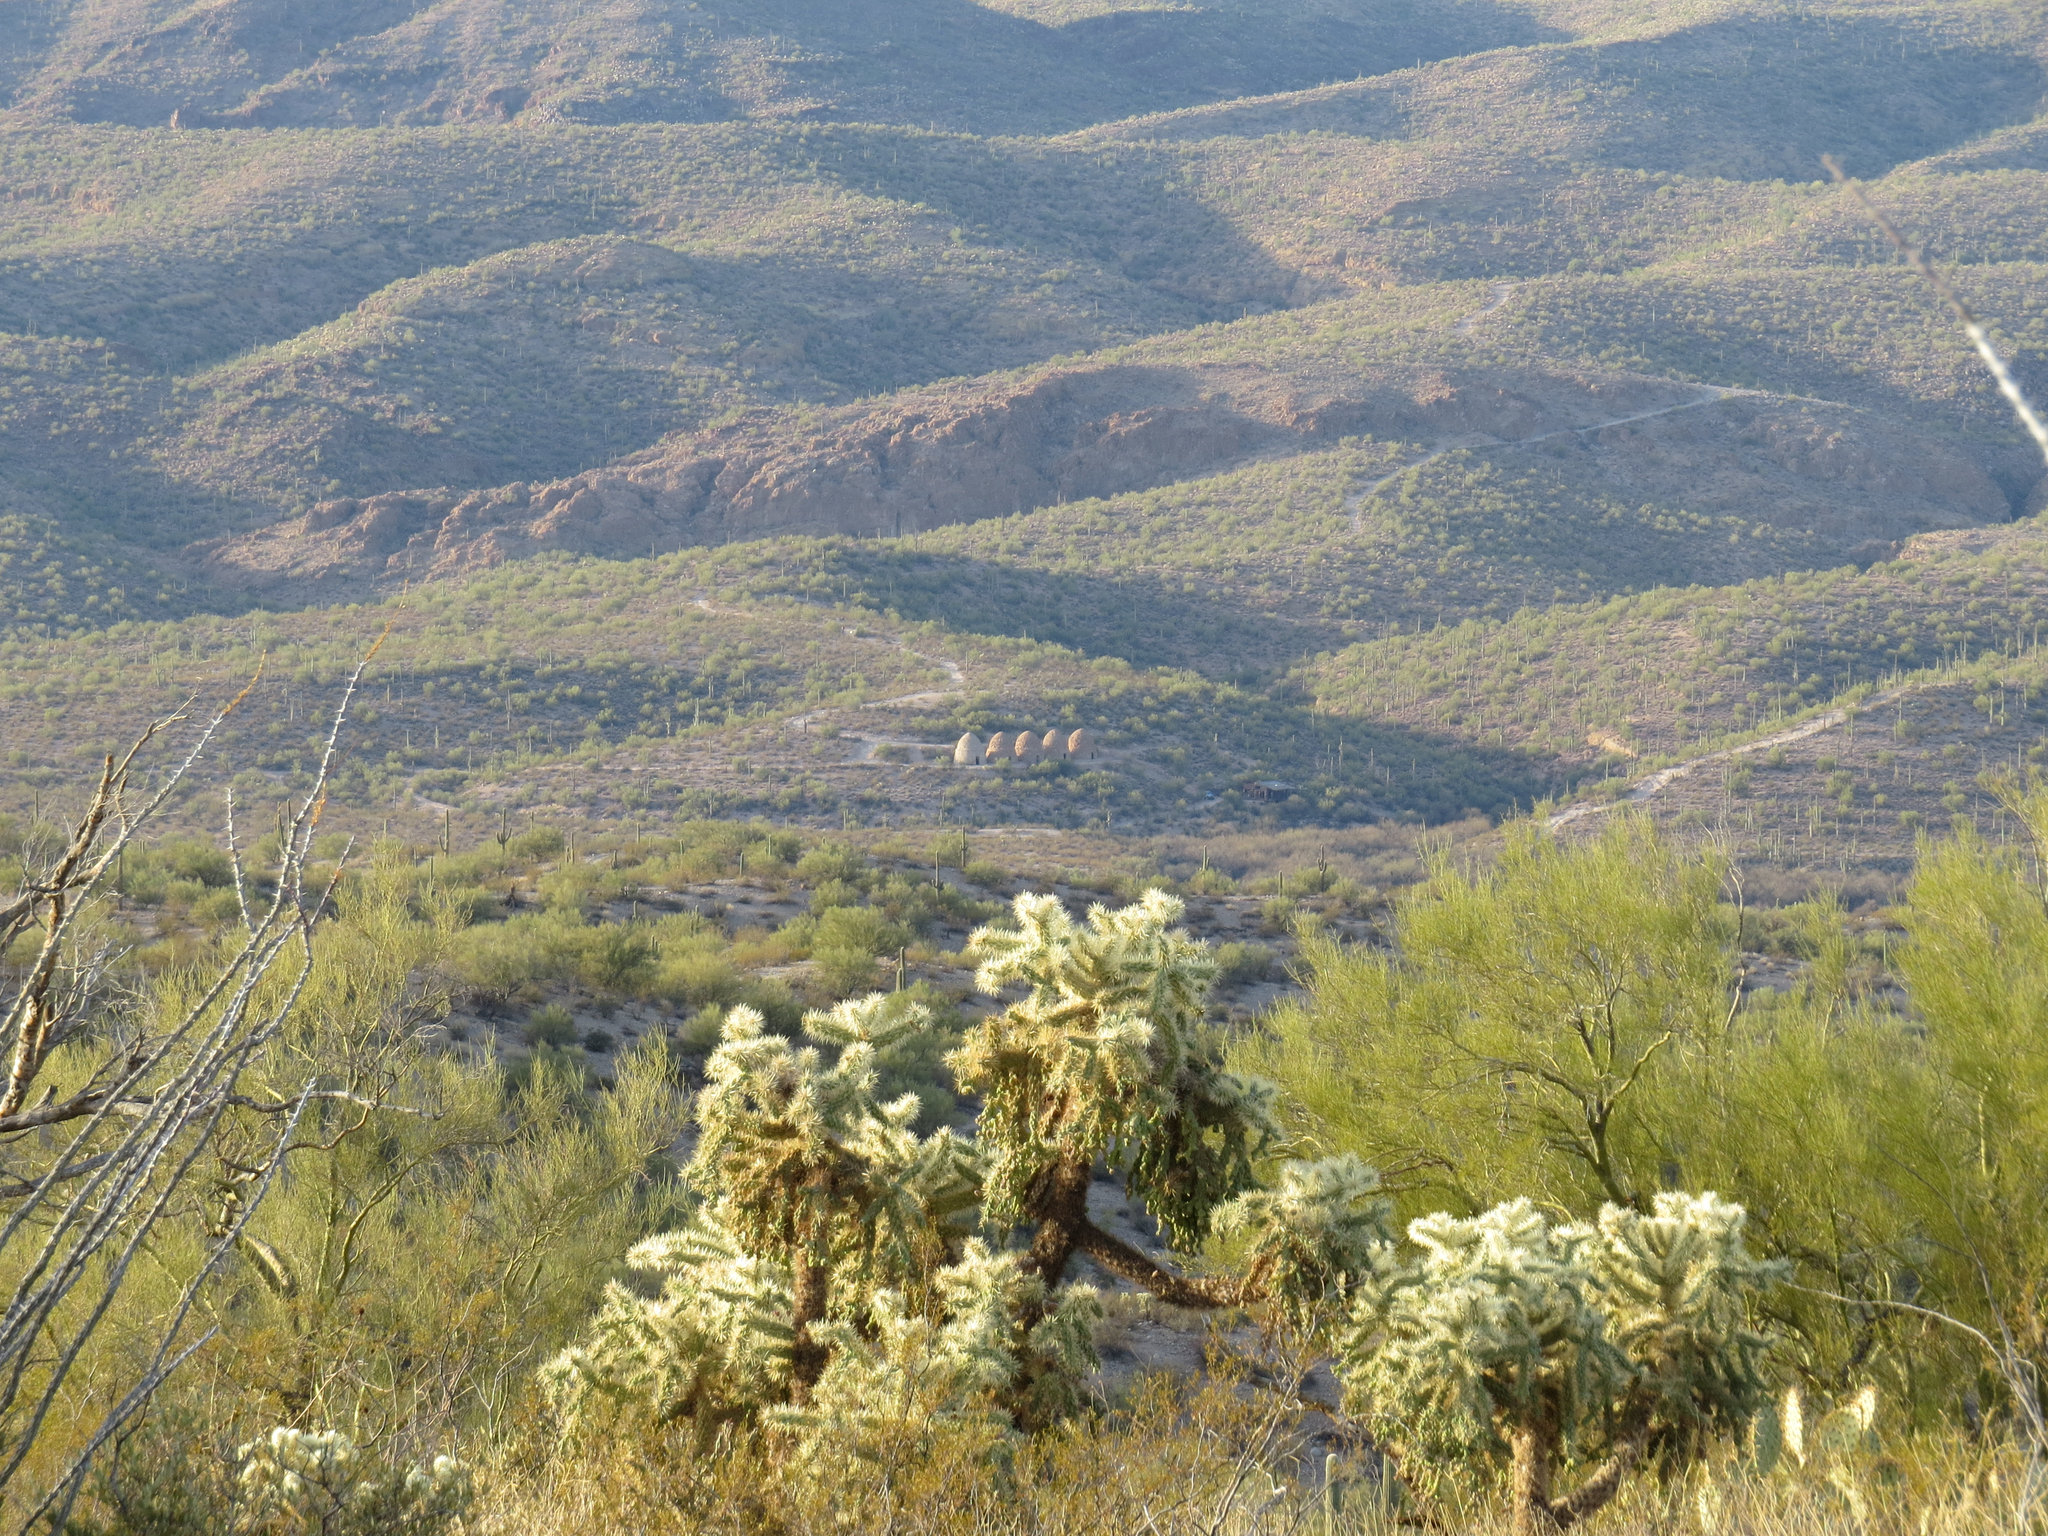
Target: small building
{"x":1000,"y":746}
{"x":1267,"y":789}
{"x":1082,"y":746}
{"x":1026,"y":748}
{"x":1054,"y":745}
{"x":967,"y":751}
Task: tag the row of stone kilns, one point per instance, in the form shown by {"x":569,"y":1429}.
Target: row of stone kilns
{"x":1025,"y":747}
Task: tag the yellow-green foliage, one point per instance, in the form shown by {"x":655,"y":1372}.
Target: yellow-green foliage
{"x":432,"y":1236}
{"x":1568,"y":1027}
{"x":1964,"y":1150}
{"x":1519,"y":1034}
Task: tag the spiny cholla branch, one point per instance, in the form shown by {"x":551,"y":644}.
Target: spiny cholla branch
{"x":76,"y":1216}
{"x":2008,"y":386}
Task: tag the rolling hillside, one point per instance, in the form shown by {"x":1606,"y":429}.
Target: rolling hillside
{"x":1420,"y":409}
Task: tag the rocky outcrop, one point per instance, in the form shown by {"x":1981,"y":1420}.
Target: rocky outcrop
{"x":956,"y":453}
{"x":914,"y":461}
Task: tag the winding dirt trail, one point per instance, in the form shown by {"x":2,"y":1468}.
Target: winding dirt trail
{"x":952,"y":671}
{"x":870,"y":742}
{"x":1663,"y":778}
{"x":1710,"y":394}
{"x":1502,"y":292}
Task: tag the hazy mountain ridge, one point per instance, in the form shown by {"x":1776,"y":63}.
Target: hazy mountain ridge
{"x":371,"y":63}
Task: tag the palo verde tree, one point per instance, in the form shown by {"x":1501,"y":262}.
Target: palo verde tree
{"x":1528,"y":1028}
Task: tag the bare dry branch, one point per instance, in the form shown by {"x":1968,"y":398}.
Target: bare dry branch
{"x":75,"y":1215}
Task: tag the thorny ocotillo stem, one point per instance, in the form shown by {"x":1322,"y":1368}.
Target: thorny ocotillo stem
{"x":2008,"y":386}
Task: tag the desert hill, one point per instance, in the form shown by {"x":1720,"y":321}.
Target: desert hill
{"x":988,"y":69}
{"x":1303,"y":361}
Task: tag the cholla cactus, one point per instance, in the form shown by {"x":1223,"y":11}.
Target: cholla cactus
{"x":303,"y":1471}
{"x":1509,"y":1335}
{"x":802,"y":1165}
{"x":829,"y":1283}
{"x":1106,"y":1057}
{"x":1491,"y":1329}
{"x":1002,"y":1355}
{"x":1676,"y":1286}
{"x":712,"y":1346}
{"x":296,"y":1480}
{"x":1321,"y":1225}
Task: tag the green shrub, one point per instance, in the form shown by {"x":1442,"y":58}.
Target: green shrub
{"x":194,"y":858}
{"x":832,"y":861}
{"x":546,"y":1061}
{"x":537,"y":844}
{"x":700,"y":1031}
{"x":1237,"y":964}
{"x":619,"y":957}
{"x":860,"y":928}
{"x":549,"y":1025}
{"x":843,"y":971}
{"x":827,"y":894}
{"x":916,"y":1063}
{"x":210,"y":906}
{"x":495,"y":962}
{"x":576,"y":889}
{"x":697,"y":977}
{"x":777,"y":1005}
{"x":498,"y":962}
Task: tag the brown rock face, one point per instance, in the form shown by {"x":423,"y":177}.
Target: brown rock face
{"x":956,"y":453}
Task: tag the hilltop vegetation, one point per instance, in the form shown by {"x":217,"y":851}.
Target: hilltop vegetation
{"x":1028,"y":67}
